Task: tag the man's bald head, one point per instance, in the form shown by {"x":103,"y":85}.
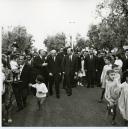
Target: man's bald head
{"x":42,"y":52}
{"x":53,"y":52}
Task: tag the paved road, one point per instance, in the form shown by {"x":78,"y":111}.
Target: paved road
{"x":80,"y":109}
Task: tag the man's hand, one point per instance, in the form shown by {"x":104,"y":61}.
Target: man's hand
{"x":16,"y":71}
{"x":111,"y":104}
{"x":44,"y":64}
{"x":50,"y":74}
{"x":30,"y":84}
{"x":75,"y":73}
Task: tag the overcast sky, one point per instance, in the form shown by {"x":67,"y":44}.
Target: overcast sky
{"x":48,"y":17}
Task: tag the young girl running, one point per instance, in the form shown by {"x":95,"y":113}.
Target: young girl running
{"x":41,"y":90}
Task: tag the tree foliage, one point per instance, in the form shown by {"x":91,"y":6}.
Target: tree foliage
{"x":18,"y":35}
{"x":112,"y":31}
{"x":81,"y":43}
{"x":55,"y":42}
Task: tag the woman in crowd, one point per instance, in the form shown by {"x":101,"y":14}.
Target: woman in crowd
{"x":7,"y":95}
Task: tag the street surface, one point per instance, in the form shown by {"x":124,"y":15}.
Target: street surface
{"x":80,"y":109}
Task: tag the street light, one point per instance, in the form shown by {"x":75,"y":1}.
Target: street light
{"x":71,"y":37}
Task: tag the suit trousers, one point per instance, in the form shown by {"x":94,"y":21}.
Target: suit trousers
{"x":91,"y":78}
{"x":69,"y":82}
{"x":20,"y":94}
{"x":54,"y":80}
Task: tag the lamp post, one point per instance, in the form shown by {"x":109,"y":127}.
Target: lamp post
{"x":72,"y":23}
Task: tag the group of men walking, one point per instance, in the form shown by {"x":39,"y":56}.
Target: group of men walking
{"x":55,"y":67}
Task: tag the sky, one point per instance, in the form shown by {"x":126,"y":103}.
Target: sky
{"x":48,"y":17}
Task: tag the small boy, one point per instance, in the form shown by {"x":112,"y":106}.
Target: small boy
{"x":110,"y":95}
{"x":41,"y":90}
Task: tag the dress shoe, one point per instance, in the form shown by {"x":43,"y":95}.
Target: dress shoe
{"x":69,"y":94}
{"x":100,"y":101}
{"x":19,"y":109}
{"x":57,"y":96}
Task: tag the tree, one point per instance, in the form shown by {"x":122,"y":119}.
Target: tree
{"x":18,"y":35}
{"x":113,"y":27}
{"x":55,"y":42}
{"x":81,"y":43}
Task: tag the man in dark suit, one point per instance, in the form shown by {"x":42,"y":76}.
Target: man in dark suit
{"x":40,"y":66}
{"x":70,"y":69}
{"x":61,"y":56}
{"x":100,"y":64}
{"x":54,"y":69}
{"x":90,"y":68}
{"x":20,"y":87}
{"x":125,"y":63}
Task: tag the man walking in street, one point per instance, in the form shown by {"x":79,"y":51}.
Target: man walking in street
{"x":70,"y":69}
{"x":90,"y":68}
{"x":54,"y":70}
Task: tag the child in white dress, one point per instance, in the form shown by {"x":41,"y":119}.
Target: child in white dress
{"x":81,"y":73}
{"x":41,"y":90}
{"x":107,"y":67}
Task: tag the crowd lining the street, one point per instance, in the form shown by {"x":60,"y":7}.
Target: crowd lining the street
{"x":39,"y":72}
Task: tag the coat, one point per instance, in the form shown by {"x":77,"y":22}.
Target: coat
{"x":70,"y":66}
{"x":38,"y":68}
{"x":54,"y":66}
{"x":25,"y":76}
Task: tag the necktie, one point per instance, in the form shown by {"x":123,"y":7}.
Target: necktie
{"x":91,"y":57}
{"x":71,"y":58}
{"x":54,"y":58}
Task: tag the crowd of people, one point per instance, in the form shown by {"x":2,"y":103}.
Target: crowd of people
{"x":42,"y":72}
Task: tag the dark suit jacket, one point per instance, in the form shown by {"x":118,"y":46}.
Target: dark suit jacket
{"x":100,"y":63}
{"x":125,"y":64}
{"x":70,"y":66}
{"x":54,"y":66}
{"x":90,"y":64}
{"x":37,"y":66}
{"x":25,"y":76}
{"x":61,"y":56}
{"x":79,"y":62}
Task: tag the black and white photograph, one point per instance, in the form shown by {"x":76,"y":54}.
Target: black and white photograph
{"x":64,"y":63}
